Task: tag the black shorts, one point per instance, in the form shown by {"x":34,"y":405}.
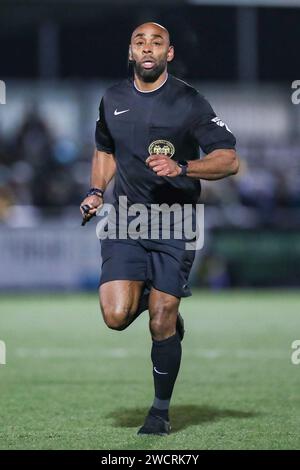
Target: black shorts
{"x":160,"y":264}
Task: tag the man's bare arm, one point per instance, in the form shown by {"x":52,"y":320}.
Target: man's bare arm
{"x":216,"y":165}
{"x":103,"y":170}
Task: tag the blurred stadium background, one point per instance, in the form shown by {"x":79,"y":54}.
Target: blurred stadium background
{"x":57,"y":58}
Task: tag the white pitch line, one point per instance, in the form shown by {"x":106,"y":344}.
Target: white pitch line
{"x":120,"y":353}
{"x":69,"y":353}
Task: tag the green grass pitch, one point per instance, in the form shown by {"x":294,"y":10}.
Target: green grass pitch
{"x":71,"y":383}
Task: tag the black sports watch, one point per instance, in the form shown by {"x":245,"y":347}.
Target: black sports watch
{"x":95,"y":192}
{"x":183,"y":164}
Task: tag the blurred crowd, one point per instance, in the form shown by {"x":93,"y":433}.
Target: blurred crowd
{"x":49,"y":174}
{"x":41,"y":171}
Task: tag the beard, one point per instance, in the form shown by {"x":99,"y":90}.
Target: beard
{"x":150,"y":75}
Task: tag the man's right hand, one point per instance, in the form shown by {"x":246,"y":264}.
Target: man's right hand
{"x":94,"y":202}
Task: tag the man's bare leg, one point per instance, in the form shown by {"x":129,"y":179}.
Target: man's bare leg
{"x":119,"y":302}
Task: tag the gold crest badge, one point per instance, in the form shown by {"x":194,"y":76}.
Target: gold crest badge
{"x":163,"y":147}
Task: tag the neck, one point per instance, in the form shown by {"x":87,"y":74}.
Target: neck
{"x":150,"y":86}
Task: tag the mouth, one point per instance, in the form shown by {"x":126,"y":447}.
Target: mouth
{"x":148,"y":63}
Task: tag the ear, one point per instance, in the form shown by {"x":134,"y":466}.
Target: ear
{"x":130,"y":53}
{"x":170,"y":55}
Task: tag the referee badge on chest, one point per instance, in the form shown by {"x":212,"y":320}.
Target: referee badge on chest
{"x":163,"y":147}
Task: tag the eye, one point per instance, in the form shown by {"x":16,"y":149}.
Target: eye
{"x":157,"y":43}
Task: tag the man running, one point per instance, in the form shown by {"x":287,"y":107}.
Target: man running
{"x":148,"y":135}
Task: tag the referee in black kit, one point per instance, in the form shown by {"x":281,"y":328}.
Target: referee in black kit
{"x":148,"y":135}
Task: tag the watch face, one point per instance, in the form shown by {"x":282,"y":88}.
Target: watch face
{"x":182,"y":162}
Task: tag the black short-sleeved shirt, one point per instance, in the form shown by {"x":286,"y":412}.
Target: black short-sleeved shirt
{"x":174,"y":119}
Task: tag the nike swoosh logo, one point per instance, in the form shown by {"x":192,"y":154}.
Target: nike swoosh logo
{"x":120,"y":112}
{"x":162,"y":373}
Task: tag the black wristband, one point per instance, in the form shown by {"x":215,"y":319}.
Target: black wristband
{"x":95,"y":192}
{"x":183,"y":164}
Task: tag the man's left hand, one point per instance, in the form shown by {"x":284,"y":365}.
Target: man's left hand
{"x":163,"y":165}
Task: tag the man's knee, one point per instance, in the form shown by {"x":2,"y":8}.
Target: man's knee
{"x":157,"y":325}
{"x":115,"y":319}
{"x":163,"y":315}
{"x":114,"y":316}
{"x":117,"y":308}
{"x":116,"y":322}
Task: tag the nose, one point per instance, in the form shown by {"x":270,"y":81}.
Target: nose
{"x":147,"y":48}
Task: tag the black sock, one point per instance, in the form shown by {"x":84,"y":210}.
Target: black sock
{"x":166,"y":358}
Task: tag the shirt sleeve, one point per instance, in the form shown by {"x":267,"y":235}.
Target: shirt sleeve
{"x":103,"y":138}
{"x":209,"y":130}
